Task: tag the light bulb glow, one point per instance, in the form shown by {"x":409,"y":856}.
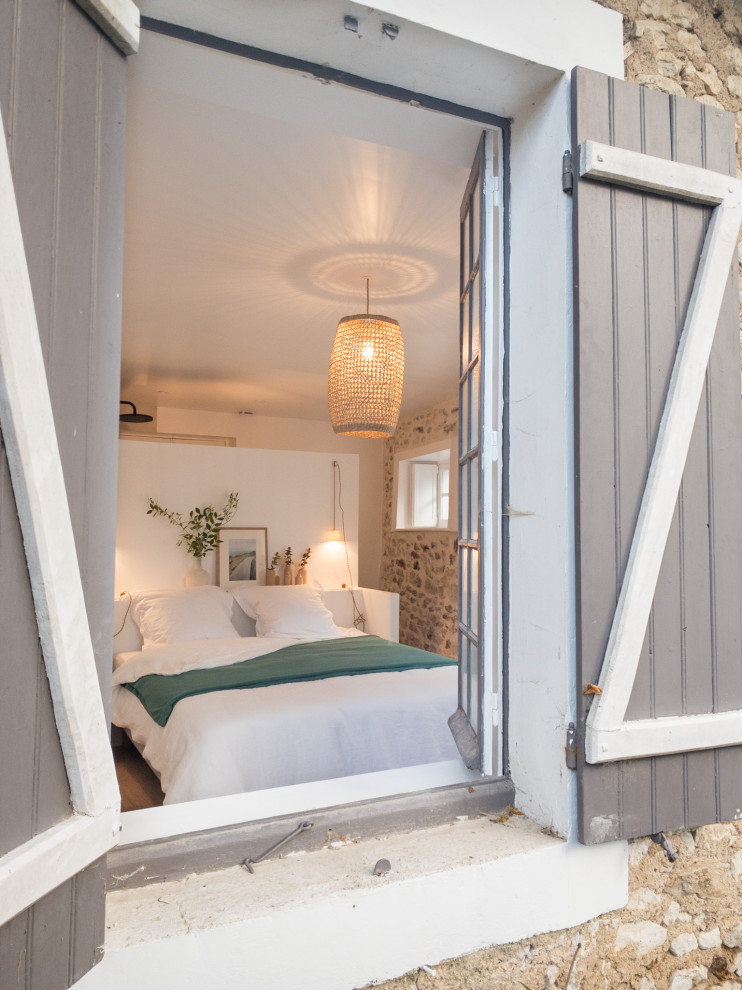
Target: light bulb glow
{"x":367,"y":350}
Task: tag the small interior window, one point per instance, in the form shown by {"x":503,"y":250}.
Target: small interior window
{"x":423,"y":489}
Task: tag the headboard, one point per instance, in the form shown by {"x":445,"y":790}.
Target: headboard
{"x":381,"y":609}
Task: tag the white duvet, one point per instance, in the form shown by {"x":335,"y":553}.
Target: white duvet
{"x":227,"y":742}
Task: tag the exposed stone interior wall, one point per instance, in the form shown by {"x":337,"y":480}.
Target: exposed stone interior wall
{"x":421,"y":565}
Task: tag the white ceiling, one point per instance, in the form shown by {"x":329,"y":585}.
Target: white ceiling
{"x":256,"y":202}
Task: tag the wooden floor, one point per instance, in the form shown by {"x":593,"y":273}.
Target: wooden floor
{"x":139,"y":786}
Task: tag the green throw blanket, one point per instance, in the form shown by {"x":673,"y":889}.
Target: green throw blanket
{"x":159,"y":693}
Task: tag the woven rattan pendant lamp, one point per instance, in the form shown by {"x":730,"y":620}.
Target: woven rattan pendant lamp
{"x":364,"y":389}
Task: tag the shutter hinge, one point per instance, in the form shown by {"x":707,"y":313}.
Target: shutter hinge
{"x":570,"y":750}
{"x":567,"y":180}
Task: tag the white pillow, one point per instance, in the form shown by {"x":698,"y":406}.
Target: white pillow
{"x":188,"y":613}
{"x":293,"y":611}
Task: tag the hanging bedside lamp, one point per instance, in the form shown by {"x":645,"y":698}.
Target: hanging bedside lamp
{"x":366,"y":373}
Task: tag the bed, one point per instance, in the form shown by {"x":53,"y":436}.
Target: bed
{"x":225,"y":694}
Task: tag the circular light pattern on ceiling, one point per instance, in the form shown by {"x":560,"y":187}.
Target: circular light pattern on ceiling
{"x":392,"y":276}
{"x":339,"y":273}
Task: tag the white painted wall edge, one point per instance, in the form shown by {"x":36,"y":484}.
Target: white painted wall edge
{"x":52,"y":857}
{"x":562,"y":35}
{"x":541,"y":692}
{"x":118,"y":19}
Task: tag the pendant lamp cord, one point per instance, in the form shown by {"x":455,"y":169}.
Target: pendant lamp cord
{"x":359,"y":619}
{"x":367,"y":294}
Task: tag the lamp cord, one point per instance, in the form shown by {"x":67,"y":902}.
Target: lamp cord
{"x":359,"y":619}
{"x":126,"y":613}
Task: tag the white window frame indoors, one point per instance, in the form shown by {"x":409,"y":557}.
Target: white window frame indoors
{"x":403,"y":485}
{"x":171,"y":821}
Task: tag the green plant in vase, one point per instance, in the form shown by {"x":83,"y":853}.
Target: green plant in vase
{"x":273,"y":569}
{"x":199,"y":531}
{"x":289,"y":569}
{"x":301,"y":577}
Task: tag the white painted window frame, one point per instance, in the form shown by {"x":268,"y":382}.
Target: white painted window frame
{"x":48,"y":859}
{"x":608,"y":735}
{"x":118,"y":19}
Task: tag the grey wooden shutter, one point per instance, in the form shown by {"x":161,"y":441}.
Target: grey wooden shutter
{"x":62,"y":91}
{"x":645,"y":259}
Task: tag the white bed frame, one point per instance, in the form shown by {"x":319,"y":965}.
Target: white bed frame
{"x":380,"y":608}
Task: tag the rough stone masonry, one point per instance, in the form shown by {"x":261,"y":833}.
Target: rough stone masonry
{"x":682,"y":928}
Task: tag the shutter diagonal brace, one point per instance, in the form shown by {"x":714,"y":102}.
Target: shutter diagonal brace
{"x":608,"y":736}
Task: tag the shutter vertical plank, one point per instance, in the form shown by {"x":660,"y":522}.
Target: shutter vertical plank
{"x":27,"y":727}
{"x":90,"y":927}
{"x":698,"y":654}
{"x":22,"y":665}
{"x":35,"y":180}
{"x":726,"y":457}
{"x":663,"y":331}
{"x":77,"y":155}
{"x":596,"y":362}
{"x":630,"y":433}
{"x":14,"y":945}
{"x":49,"y":946}
{"x":105,"y":356}
{"x":34,"y":155}
{"x":8,"y":23}
{"x":691,"y":658}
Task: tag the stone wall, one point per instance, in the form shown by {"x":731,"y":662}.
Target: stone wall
{"x":682,"y":928}
{"x":421,"y":565}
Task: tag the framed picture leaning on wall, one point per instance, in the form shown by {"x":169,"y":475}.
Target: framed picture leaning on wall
{"x":241,"y":556}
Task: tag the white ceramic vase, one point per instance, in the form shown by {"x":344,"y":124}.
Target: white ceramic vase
{"x":197,"y":574}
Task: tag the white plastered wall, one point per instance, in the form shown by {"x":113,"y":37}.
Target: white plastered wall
{"x":314,"y":436}
{"x":289,"y":492}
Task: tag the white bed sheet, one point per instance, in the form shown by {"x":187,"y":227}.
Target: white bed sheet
{"x":227,"y":742}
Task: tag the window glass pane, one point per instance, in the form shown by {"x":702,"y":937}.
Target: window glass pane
{"x":474,"y":408}
{"x":464,"y":519}
{"x":474,"y":593}
{"x":424,"y":490}
{"x":476,"y":315}
{"x":473,"y":678}
{"x":474,"y":465}
{"x":465,"y":411}
{"x":465,"y":334}
{"x":466,"y":242}
{"x":476,"y":223}
{"x":463,"y":670}
{"x":443,"y":510}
